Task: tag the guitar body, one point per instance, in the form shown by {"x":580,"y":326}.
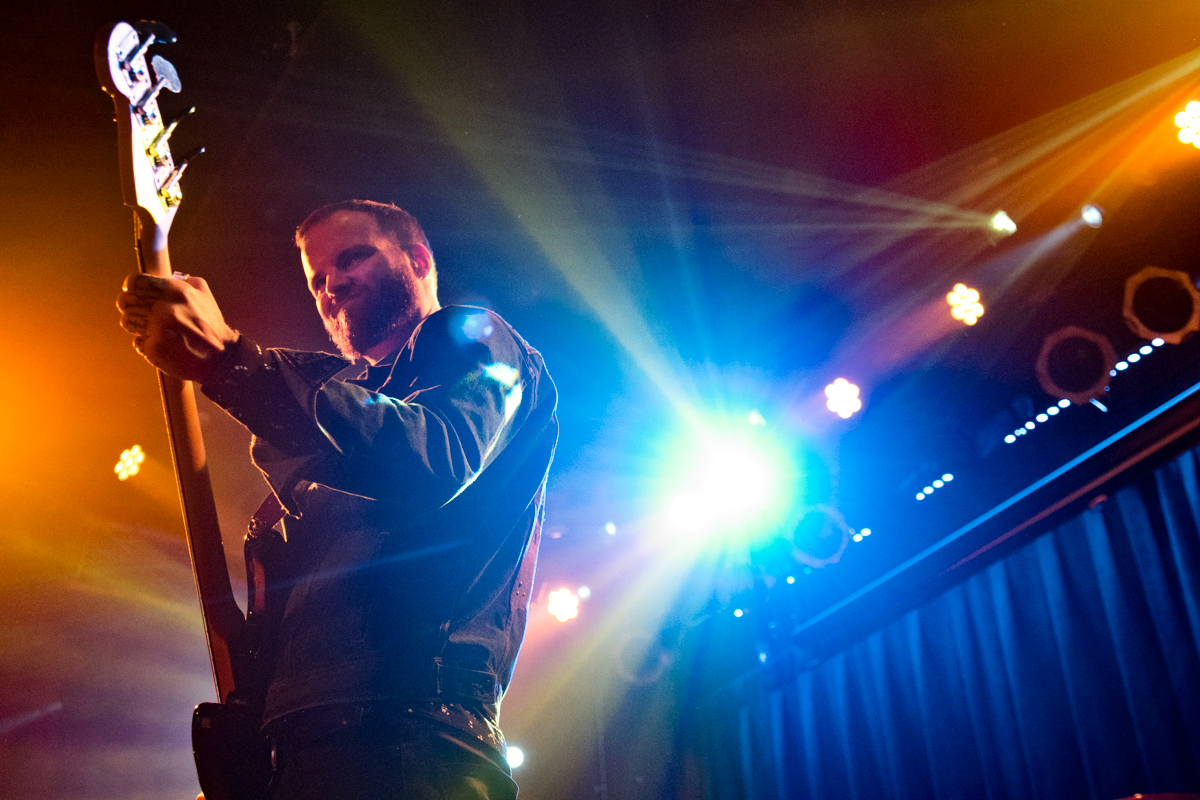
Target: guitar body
{"x":232,"y":759}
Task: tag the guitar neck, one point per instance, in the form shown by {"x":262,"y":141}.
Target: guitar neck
{"x":223,"y":620}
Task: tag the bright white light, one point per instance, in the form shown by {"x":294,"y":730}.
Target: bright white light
{"x":610,"y":528}
{"x":843,"y":398}
{"x":1134,"y":358}
{"x":689,"y":512}
{"x":563,"y":605}
{"x":791,"y":579}
{"x":920,"y":495}
{"x":1064,"y":403}
{"x":1030,"y":425}
{"x":1002,"y":223}
{"x":1092,"y":215}
{"x":964,"y":304}
{"x":1158,"y":342}
{"x":857,"y":537}
{"x":130,"y":462}
{"x":947,"y":477}
{"x":1188,"y":121}
{"x":939,"y":483}
{"x":584,"y":592}
{"x":1010,"y":439}
{"x":1122,"y":366}
{"x":1041,"y":418}
{"x":865,"y":531}
{"x":756,"y":418}
{"x":1052,"y":410}
{"x":1145,"y":349}
{"x":515,"y":757}
{"x":737,"y":612}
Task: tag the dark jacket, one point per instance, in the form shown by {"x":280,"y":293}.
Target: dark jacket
{"x":414,"y":496}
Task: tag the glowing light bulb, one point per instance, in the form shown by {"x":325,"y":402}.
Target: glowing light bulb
{"x":964,"y":304}
{"x":563,"y":605}
{"x":130,"y":462}
{"x":515,"y":757}
{"x":842,"y":398}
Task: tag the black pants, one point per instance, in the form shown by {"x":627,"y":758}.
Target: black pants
{"x":410,"y":759}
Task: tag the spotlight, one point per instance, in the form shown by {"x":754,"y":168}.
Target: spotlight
{"x":563,"y":605}
{"x":1002,"y":223}
{"x":130,"y":462}
{"x":1162,"y":303}
{"x":842,"y":398}
{"x":1092,"y":215}
{"x":515,"y":757}
{"x":1074,"y":364}
{"x":1188,"y":121}
{"x":964,"y":304}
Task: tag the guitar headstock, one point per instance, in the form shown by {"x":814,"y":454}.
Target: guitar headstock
{"x":149,"y":174}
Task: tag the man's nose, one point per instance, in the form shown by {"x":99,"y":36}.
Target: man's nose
{"x":337,"y":284}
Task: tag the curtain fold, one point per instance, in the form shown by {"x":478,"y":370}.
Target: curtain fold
{"x":1068,"y":669}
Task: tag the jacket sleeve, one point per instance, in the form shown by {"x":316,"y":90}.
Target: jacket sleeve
{"x":418,"y":445}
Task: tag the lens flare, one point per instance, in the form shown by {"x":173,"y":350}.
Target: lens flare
{"x":1188,"y":121}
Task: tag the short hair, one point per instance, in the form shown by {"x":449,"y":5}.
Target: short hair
{"x":392,"y":220}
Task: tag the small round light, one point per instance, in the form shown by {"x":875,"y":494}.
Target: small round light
{"x":1010,"y":439}
{"x":791,"y":579}
{"x":1145,"y":349}
{"x":1122,"y":366}
{"x":1092,"y":215}
{"x":865,"y":531}
{"x":515,"y":757}
{"x":857,"y":537}
{"x":928,"y":490}
{"x":920,"y":495}
{"x":1041,"y":418}
{"x":737,"y":612}
{"x":1133,"y":358}
{"x":1052,"y":410}
{"x":584,"y":592}
{"x":1064,"y":403}
{"x":1157,"y":342}
{"x":1030,"y":425}
{"x":939,"y":483}
{"x":947,"y":477}
{"x":610,"y":528}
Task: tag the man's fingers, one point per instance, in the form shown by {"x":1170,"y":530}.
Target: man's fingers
{"x":134,"y":323}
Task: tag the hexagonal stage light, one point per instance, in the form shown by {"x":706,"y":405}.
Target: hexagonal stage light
{"x":1074,"y":364}
{"x":1162,"y":303}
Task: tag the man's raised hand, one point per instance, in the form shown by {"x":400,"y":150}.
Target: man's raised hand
{"x":176,"y":324}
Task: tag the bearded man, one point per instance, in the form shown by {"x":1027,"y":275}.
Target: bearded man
{"x":414,"y":499}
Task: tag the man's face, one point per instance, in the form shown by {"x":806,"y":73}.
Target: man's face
{"x":363,"y":281}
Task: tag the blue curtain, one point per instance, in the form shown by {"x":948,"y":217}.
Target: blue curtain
{"x":1069,"y":669}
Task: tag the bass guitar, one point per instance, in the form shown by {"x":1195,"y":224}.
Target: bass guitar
{"x":231,"y":757}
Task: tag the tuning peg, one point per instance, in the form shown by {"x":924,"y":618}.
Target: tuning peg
{"x":176,"y":174}
{"x":150,"y":32}
{"x":168,"y":78}
{"x":166,"y":132}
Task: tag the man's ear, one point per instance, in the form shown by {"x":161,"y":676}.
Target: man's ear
{"x":422,"y":260}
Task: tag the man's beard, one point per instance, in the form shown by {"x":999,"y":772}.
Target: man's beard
{"x":376,"y":314}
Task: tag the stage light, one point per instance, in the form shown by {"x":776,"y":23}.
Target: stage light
{"x":1162,"y":304}
{"x":1188,"y":121}
{"x":791,"y":578}
{"x":563,"y":605}
{"x":130,"y":462}
{"x":964,"y":304}
{"x":756,"y":418}
{"x":584,"y":592}
{"x":610,"y":528}
{"x":734,"y":482}
{"x":857,"y":537}
{"x":1074,"y":364}
{"x":842,"y":398}
{"x":737,"y":612}
{"x":1092,"y":215}
{"x":865,"y":531}
{"x":1002,"y":223}
{"x":515,"y":757}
